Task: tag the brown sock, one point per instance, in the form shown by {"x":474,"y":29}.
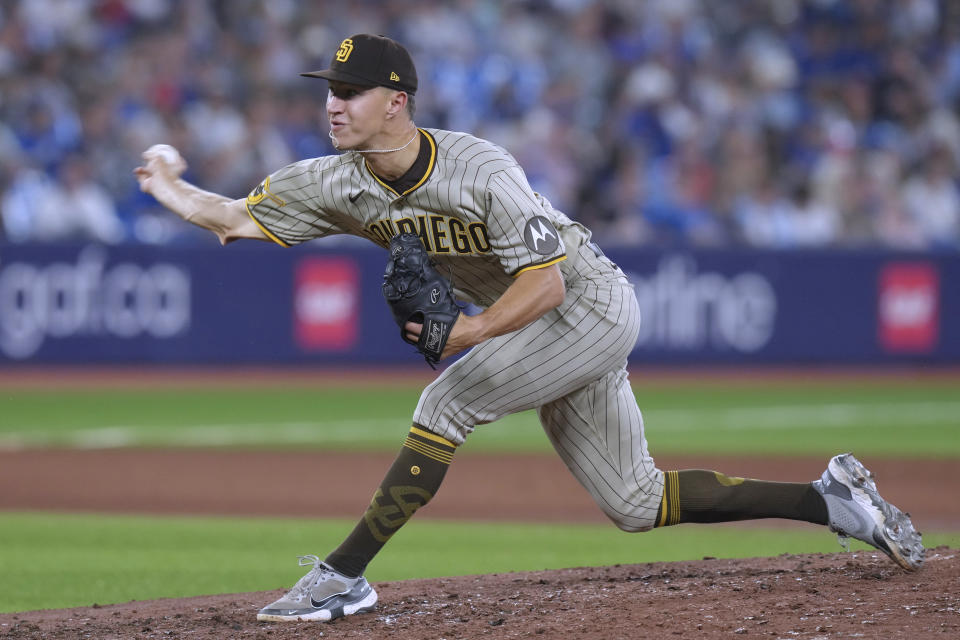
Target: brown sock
{"x":410,"y":483}
{"x":696,"y":495}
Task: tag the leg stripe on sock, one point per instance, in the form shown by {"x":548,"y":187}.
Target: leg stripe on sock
{"x":434,"y":453}
{"x":430,"y":445}
{"x":675,"y":497}
{"x":670,"y":503}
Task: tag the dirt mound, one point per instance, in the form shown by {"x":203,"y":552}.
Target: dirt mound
{"x":791,"y":596}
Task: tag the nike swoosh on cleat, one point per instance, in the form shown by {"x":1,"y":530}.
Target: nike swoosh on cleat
{"x":318,"y":604}
{"x":356,"y":196}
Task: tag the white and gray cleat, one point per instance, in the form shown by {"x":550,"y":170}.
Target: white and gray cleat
{"x":855,"y":509}
{"x":323,"y":594}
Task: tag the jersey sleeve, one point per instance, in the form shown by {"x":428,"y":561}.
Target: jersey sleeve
{"x":521,"y":233}
{"x":287,"y":205}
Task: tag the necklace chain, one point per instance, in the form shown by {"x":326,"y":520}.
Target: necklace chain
{"x":409,"y":142}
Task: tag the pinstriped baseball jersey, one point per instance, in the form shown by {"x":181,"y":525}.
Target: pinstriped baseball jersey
{"x":479,"y":219}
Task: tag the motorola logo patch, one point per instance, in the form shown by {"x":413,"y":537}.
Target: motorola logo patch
{"x":540,"y":236}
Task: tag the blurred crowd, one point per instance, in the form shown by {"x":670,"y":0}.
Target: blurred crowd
{"x":782,"y":123}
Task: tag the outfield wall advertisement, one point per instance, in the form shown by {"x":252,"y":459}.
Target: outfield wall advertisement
{"x":259,"y":304}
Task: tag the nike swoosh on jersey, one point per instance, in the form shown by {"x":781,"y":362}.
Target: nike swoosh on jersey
{"x":356,"y":196}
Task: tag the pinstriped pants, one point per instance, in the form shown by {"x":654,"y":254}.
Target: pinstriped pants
{"x":570,"y":365}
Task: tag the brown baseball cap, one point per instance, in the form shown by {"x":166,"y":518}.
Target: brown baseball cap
{"x":371,"y":61}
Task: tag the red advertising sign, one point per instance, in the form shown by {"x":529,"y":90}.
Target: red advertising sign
{"x":326,"y":298}
{"x":909,"y":307}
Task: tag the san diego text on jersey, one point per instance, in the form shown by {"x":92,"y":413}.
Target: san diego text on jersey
{"x":439,"y":233}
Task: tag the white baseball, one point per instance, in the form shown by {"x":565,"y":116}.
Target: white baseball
{"x":170,"y":155}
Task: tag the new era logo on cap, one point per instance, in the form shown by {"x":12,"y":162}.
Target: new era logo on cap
{"x":371,"y":61}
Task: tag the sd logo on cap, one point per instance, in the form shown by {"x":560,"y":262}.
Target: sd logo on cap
{"x":371,"y":61}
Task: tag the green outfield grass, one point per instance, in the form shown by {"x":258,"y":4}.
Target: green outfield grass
{"x":55,"y":561}
{"x":873,"y":418}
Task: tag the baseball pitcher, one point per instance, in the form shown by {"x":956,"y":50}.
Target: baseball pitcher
{"x":558,"y":321}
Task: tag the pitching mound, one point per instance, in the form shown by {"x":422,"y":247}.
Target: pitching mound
{"x":791,"y":596}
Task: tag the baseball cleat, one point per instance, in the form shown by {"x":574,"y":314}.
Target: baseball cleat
{"x":856,"y":510}
{"x":323,"y":594}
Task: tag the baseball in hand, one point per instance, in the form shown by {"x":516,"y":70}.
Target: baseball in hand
{"x":165,"y":151}
{"x":169,"y":155}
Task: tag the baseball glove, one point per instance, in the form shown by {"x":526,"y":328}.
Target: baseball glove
{"x":416,"y":292}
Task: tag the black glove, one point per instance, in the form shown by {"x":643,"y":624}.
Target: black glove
{"x":416,"y":292}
